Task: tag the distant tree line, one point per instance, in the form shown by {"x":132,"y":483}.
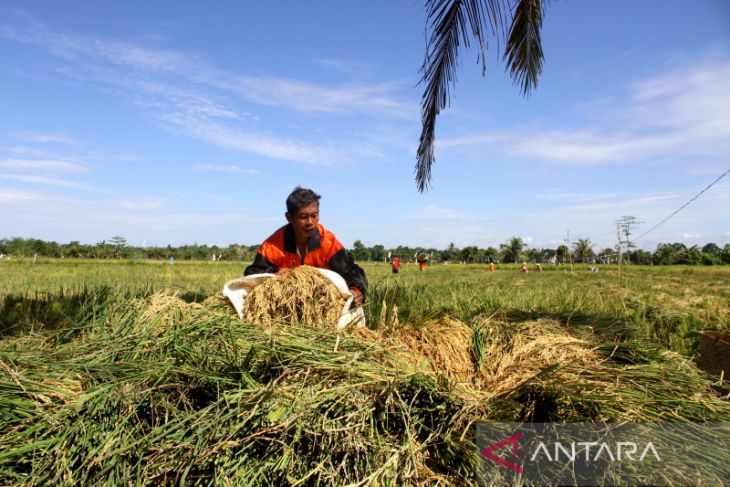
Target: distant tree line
{"x":118,"y":248}
{"x":513,"y":250}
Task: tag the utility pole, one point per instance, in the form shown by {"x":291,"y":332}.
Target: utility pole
{"x":618,"y":246}
{"x":625,"y":227}
{"x":567,"y":245}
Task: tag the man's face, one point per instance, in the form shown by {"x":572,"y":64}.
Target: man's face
{"x":304,"y":220}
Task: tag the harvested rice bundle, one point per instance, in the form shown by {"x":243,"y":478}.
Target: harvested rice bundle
{"x":162,"y":312}
{"x":444,"y":343}
{"x":301,"y":296}
{"x":510,"y":354}
{"x":25,"y":343}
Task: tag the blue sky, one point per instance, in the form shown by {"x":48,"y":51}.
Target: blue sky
{"x":181,"y":122}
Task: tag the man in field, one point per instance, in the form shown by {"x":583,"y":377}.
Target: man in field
{"x":303,"y":241}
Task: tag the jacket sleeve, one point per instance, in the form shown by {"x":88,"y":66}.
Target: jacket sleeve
{"x":353,"y":274}
{"x":261,"y":265}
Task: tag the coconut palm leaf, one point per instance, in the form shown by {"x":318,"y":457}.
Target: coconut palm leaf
{"x":523,"y":52}
{"x":451,"y":24}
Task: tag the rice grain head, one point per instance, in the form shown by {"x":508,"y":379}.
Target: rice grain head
{"x":163,"y":311}
{"x":303,"y":296}
{"x":443,"y":344}
{"x":513,"y":354}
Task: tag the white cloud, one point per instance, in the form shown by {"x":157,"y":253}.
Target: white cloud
{"x":232,"y":168}
{"x":694,"y":99}
{"x":587,"y":148}
{"x":435,"y":213}
{"x":32,"y":151}
{"x":11,"y":195}
{"x":43,"y":138}
{"x":42,"y":165}
{"x":48,"y":170}
{"x":267,"y":145}
{"x":145,"y":217}
{"x":185,"y":100}
{"x":185,"y":93}
{"x":557,"y":195}
{"x":132,"y":59}
{"x":312,"y":98}
{"x":353,"y":68}
{"x":137,"y":204}
{"x":210,"y":117}
{"x":46,"y":180}
{"x":81,"y":158}
{"x":585,"y":216}
{"x":679,"y":114}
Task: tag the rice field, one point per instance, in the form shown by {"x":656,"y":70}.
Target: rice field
{"x":139,"y":372}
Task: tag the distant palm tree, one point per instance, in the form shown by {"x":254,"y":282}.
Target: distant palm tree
{"x":583,"y":248}
{"x":451,"y":24}
{"x":512,"y":249}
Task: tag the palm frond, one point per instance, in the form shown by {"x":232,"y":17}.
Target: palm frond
{"x":523,"y":51}
{"x":451,"y":22}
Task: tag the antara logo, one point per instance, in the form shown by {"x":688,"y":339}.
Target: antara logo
{"x":512,"y":440}
{"x":620,"y":451}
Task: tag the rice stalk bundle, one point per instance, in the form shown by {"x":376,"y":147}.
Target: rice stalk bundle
{"x":162,"y":310}
{"x":210,"y":400}
{"x":437,"y":347}
{"x":302,"y":296}
{"x":549,"y":374}
{"x":388,"y":318}
{"x":510,"y":353}
{"x":26,"y":342}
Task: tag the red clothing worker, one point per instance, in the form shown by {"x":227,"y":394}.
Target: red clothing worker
{"x":422,"y":260}
{"x":395,"y":263}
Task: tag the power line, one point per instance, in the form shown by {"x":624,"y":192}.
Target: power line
{"x":684,"y":205}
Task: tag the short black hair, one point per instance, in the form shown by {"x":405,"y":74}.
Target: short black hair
{"x":301,"y":197}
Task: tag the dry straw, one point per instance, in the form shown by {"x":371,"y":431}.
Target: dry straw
{"x":162,"y":311}
{"x":512,"y":353}
{"x":488,"y":359}
{"x":442,"y":346}
{"x":301,"y":296}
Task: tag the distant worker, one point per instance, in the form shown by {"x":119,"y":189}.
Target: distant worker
{"x":304,"y":241}
{"x":422,"y":259}
{"x":539,"y":267}
{"x":395,"y":264}
{"x":524,"y":268}
{"x":491,"y":267}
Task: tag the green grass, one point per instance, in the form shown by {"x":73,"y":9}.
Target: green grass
{"x":661,"y":303}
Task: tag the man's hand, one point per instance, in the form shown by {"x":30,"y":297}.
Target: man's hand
{"x":282,"y":271}
{"x":357,"y":295}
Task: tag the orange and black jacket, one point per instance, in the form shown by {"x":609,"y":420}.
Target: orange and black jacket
{"x":279,"y":251}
